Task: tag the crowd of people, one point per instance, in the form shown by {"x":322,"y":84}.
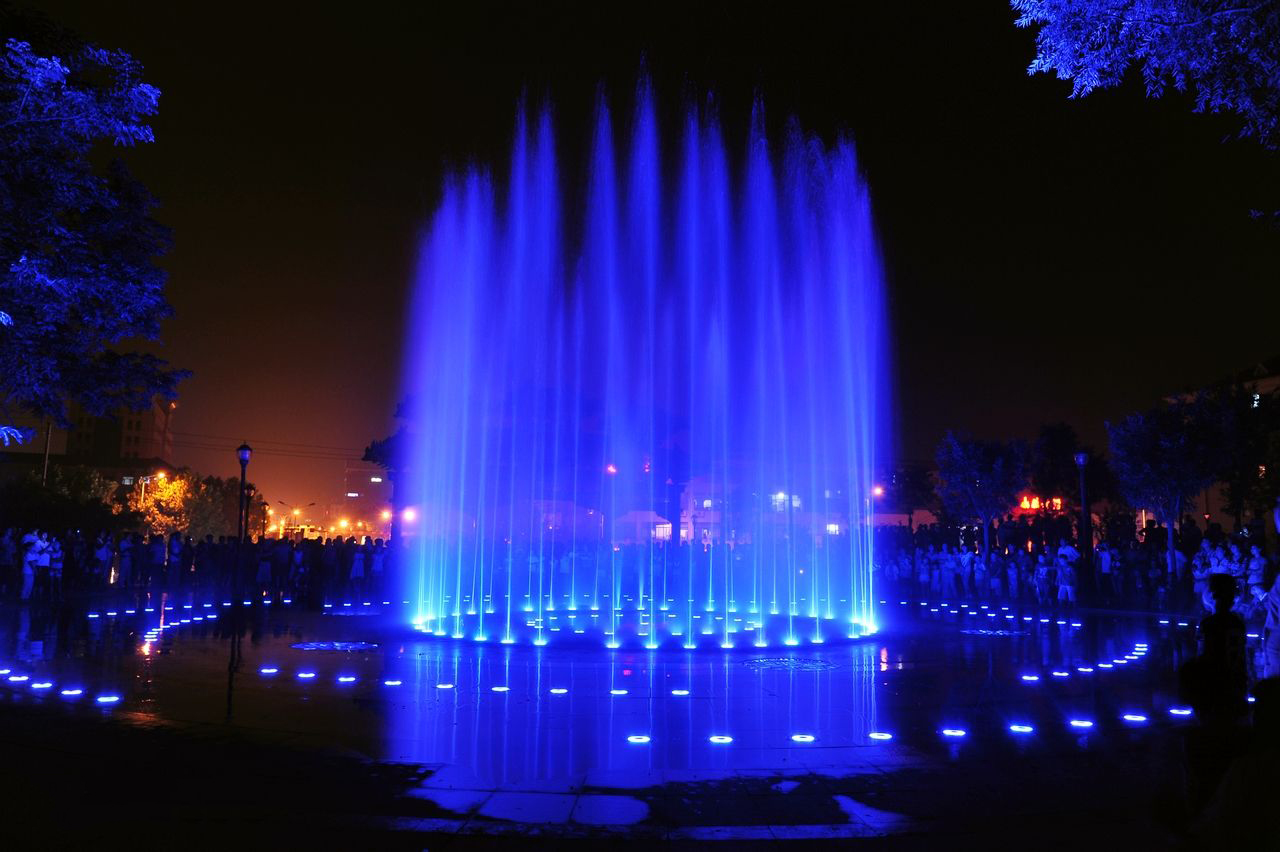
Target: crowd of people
{"x":39,"y":565}
{"x":1041,"y":561}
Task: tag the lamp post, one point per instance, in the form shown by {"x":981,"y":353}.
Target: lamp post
{"x":243,"y":452}
{"x":1086,"y":524}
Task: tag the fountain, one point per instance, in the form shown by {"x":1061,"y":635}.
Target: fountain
{"x":645,"y":414}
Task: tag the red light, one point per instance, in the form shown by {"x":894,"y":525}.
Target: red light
{"x":626,"y":671}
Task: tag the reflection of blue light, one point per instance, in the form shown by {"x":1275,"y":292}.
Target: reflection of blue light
{"x":1105,"y":666}
{"x":108,"y":699}
{"x":444,"y":686}
{"x":1134,"y":717}
{"x":1062,"y":674}
{"x":1021,"y":729}
{"x":1081,"y":723}
{"x":5,"y":671}
{"x":72,"y":692}
{"x":346,"y":679}
{"x":391,"y":683}
{"x":720,"y":739}
{"x":44,"y":684}
{"x":679,"y":692}
{"x":880,"y":735}
{"x":638,"y":739}
{"x":306,"y":675}
{"x":802,"y":738}
{"x":1031,"y":678}
{"x":18,"y":679}
{"x":1084,"y":669}
{"x":617,"y":692}
{"x":953,"y":732}
{"x":558,"y":690}
{"x":1180,"y":711}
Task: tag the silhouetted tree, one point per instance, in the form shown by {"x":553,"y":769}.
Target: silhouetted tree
{"x":980,"y":479}
{"x":78,"y":276}
{"x":1163,"y":457}
{"x":1251,"y":449}
{"x":1221,"y":51}
{"x":1053,"y":466}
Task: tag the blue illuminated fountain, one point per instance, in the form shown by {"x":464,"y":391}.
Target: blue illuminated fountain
{"x":646,"y":413}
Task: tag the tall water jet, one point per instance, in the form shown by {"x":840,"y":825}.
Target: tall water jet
{"x":646,"y":413}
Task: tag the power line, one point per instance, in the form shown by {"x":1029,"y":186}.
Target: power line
{"x":283,"y":444}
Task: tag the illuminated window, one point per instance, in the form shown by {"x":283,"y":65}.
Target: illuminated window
{"x":779,"y":501}
{"x":833,"y":529}
{"x":706,"y":504}
{"x":662,"y":532}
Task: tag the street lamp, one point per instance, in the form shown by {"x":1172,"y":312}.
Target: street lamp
{"x":243,"y":452}
{"x":1086,"y":522}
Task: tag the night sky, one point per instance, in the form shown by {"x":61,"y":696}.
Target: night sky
{"x":1048,"y":259}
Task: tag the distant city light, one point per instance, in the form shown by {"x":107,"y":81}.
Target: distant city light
{"x":386,"y":515}
{"x":410,"y":515}
{"x":353,"y":493}
{"x":877,"y":491}
{"x":375,"y":479}
{"x":611,"y":468}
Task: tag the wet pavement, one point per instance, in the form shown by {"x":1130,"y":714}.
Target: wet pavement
{"x":966,"y":720}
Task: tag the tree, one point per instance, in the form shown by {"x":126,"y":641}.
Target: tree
{"x":78,"y":278}
{"x":1251,"y":449}
{"x":980,"y":479}
{"x":1221,"y":51}
{"x":1165,"y":456}
{"x":1053,"y":466}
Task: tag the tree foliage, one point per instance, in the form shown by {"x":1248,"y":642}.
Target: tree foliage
{"x":980,"y":479}
{"x":1250,"y":449}
{"x":185,"y":503}
{"x":1222,"y":52}
{"x":1053,"y":468}
{"x":1163,"y":457}
{"x":78,"y":278}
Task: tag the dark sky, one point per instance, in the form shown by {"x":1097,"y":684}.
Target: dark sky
{"x":1048,"y":259}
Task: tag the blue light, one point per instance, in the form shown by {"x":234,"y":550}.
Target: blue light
{"x":71,"y":693}
{"x":93,"y":615}
{"x":1084,"y":669}
{"x":679,"y":692}
{"x":880,"y":735}
{"x":1022,"y":729}
{"x":1180,"y":711}
{"x":18,"y":678}
{"x":1031,"y":678}
{"x":954,"y":732}
{"x":720,"y":739}
{"x":346,"y":679}
{"x":306,"y":675}
{"x":5,"y":671}
{"x":449,"y":686}
{"x":637,"y":739}
{"x":1061,"y":674}
{"x":44,"y":684}
{"x":802,"y":738}
{"x":617,"y":692}
{"x":558,"y":690}
{"x":1136,"y":718}
{"x":1105,"y":666}
{"x":108,"y":699}
{"x":391,"y":683}
{"x":1081,"y":723}
{"x":500,"y":688}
